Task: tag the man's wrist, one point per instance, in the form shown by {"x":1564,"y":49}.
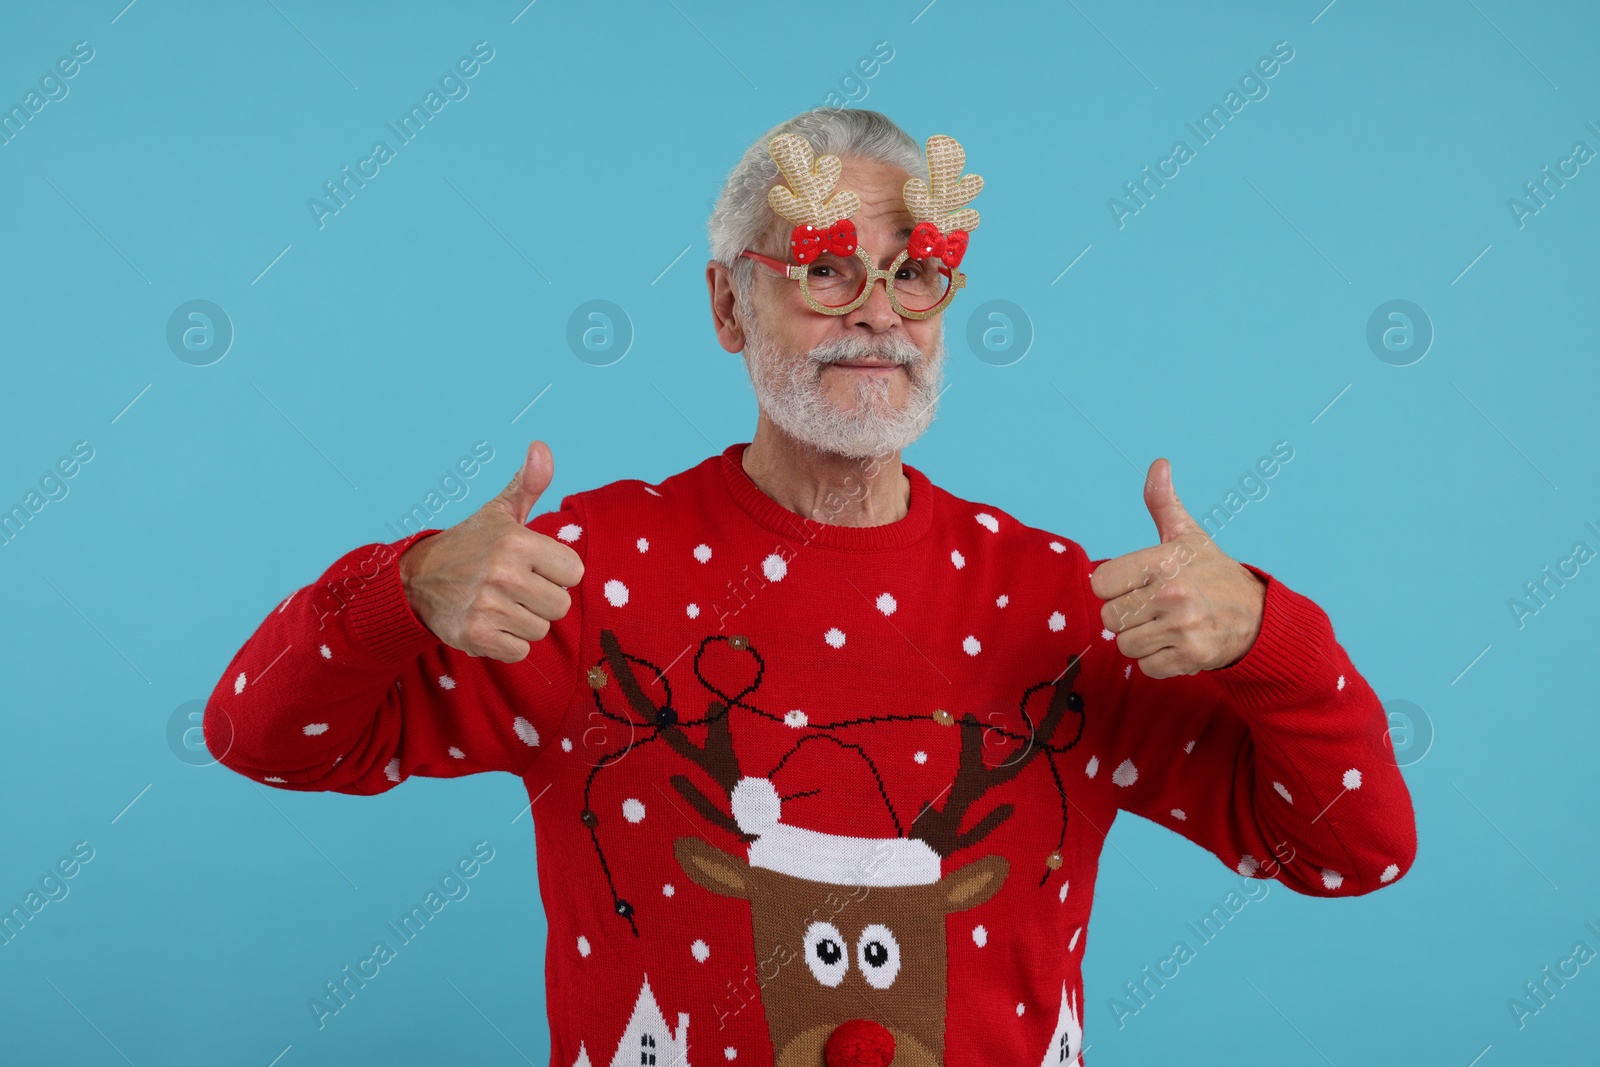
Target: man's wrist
{"x":1253,"y":636}
{"x":410,"y":557}
{"x":379,"y":615}
{"x":1290,"y":655}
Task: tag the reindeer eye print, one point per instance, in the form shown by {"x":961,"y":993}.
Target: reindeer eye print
{"x":825,"y":953}
{"x":878,"y":956}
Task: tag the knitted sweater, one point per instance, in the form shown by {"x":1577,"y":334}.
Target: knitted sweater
{"x":804,"y":790}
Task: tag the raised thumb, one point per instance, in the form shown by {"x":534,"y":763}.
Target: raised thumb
{"x":526,"y":486}
{"x":1159,"y":496}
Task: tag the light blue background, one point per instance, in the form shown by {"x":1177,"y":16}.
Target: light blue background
{"x":1225,"y":316}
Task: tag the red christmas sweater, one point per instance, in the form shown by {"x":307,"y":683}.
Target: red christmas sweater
{"x":795,"y":783}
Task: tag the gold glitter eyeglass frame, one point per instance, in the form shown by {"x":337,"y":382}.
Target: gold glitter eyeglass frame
{"x":802,"y":274}
{"x":821,"y":214}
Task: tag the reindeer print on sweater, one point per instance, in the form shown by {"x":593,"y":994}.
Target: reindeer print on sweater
{"x":813,"y":795}
{"x":866,"y":915}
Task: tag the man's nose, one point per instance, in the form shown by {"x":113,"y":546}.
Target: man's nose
{"x":859,"y":1043}
{"x":876,"y":313}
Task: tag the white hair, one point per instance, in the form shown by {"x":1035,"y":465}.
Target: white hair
{"x":742,"y":219}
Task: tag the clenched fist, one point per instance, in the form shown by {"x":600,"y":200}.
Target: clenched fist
{"x":489,"y":585}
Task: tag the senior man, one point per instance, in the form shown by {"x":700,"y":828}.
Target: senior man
{"x":822,"y":757}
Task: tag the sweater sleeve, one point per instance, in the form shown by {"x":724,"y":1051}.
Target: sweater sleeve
{"x":1278,"y":764}
{"x":342,"y":688}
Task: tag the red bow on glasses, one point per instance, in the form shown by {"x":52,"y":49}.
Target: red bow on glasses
{"x":926,"y":241}
{"x":808,"y":242}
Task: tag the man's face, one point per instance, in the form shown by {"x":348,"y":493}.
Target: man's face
{"x":861,"y":384}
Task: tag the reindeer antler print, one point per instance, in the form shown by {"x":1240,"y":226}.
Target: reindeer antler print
{"x":941,"y":827}
{"x":662,"y":722}
{"x":715,"y":757}
{"x":941,"y":199}
{"x":806,"y":201}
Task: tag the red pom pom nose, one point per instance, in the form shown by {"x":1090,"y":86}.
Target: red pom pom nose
{"x":859,"y":1043}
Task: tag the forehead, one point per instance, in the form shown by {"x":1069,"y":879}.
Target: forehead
{"x":881,"y":187}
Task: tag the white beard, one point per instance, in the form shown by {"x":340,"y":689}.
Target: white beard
{"x":790,"y":390}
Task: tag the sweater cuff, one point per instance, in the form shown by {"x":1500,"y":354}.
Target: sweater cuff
{"x":381,"y":621}
{"x":1291,"y":655}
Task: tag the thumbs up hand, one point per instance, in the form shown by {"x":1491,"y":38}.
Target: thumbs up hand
{"x":489,"y":585}
{"x":1181,"y":606}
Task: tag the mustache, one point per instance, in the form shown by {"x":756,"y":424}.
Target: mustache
{"x":899,"y":350}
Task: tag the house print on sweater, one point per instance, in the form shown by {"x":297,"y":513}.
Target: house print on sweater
{"x":819,"y":791}
{"x":646,"y":1041}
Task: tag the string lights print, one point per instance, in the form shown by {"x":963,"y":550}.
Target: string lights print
{"x":753,"y":804}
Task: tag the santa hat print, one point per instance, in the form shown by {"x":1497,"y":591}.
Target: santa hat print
{"x":824,"y":857}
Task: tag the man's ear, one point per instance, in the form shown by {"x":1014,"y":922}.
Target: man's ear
{"x":719,"y":284}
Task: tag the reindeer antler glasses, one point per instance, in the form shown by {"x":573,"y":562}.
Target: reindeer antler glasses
{"x":835,"y":273}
